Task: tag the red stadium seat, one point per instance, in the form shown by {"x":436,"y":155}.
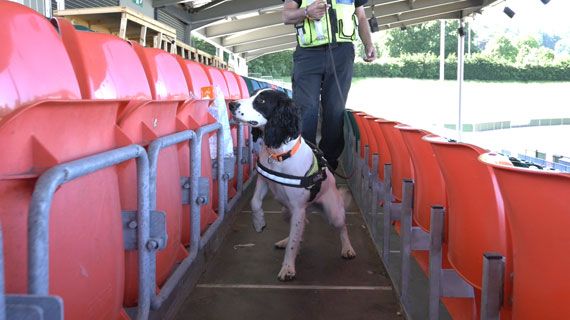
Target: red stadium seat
{"x":109,"y":68}
{"x":538,"y":209}
{"x":400,"y":158}
{"x":384,"y":152}
{"x":44,"y":124}
{"x":370,"y":138}
{"x":429,"y":187}
{"x":477,"y":221}
{"x":192,"y":116}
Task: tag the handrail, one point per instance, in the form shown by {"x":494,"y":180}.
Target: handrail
{"x":39,"y":216}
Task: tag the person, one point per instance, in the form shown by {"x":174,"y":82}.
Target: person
{"x":323,"y":64}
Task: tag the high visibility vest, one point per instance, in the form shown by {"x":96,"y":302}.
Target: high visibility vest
{"x":339,"y":24}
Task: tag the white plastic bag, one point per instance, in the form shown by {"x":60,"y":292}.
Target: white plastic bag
{"x":219,"y":111}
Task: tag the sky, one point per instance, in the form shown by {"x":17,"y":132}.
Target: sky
{"x":531,"y":17}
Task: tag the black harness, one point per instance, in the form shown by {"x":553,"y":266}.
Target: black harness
{"x":311,"y":181}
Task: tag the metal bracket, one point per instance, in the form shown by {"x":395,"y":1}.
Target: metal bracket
{"x":157,"y":229}
{"x":203,"y":190}
{"x":34,"y":307}
{"x":229,"y":170}
{"x":245,"y":152}
{"x":420,"y":239}
{"x":453,"y":286}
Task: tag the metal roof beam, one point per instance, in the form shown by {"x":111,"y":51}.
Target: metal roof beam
{"x":269,"y":43}
{"x":431,"y":11}
{"x":259,"y":53}
{"x":258,"y":35}
{"x":403,"y":6}
{"x":247,"y":24}
{"x":231,"y":8}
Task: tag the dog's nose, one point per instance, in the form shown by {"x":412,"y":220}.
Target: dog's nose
{"x":233,"y":106}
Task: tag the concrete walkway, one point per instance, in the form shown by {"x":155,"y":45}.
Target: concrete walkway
{"x":241,"y":281}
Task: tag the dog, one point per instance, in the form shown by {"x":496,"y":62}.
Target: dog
{"x":285,"y":158}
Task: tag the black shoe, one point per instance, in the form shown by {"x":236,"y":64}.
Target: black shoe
{"x":333,"y":164}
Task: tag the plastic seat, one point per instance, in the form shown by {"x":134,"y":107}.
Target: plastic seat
{"x":429,"y":187}
{"x":538,"y":209}
{"x":401,"y":161}
{"x":476,"y":219}
{"x":192,"y":116}
{"x":43,"y":123}
{"x":364,"y":135}
{"x":429,"y":190}
{"x":384,"y":151}
{"x":109,"y":68}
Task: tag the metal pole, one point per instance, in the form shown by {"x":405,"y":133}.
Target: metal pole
{"x":460,"y":67}
{"x":469,"y":39}
{"x":2,"y":296}
{"x":442,"y":50}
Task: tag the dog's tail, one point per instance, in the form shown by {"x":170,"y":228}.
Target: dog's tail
{"x":346,"y":197}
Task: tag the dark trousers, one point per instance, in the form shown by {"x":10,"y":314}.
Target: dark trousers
{"x":314,"y":79}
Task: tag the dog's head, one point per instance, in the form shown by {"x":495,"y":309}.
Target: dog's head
{"x":271,"y":111}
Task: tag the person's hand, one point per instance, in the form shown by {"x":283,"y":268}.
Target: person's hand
{"x":370,"y":53}
{"x":317,"y":10}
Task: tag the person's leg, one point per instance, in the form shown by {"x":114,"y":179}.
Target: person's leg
{"x":334,"y":95}
{"x":308,"y":71}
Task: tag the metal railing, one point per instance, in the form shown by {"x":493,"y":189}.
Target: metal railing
{"x":148,"y":224}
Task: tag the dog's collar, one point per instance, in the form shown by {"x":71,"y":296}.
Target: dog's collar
{"x":286,"y":155}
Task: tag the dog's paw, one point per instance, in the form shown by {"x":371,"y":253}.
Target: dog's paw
{"x":348,"y":253}
{"x":287,"y":273}
{"x":258,"y":222}
{"x":282,"y":244}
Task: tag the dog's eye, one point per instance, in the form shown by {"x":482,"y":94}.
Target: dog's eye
{"x":261,"y":100}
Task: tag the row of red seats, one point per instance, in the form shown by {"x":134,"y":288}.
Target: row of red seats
{"x":68,"y":94}
{"x":452,"y":203}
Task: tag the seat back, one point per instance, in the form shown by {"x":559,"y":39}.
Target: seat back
{"x":193,"y":116}
{"x":383,"y":150}
{"x":85,"y":244}
{"x":538,"y":209}
{"x":367,"y":123}
{"x":401,"y":161}
{"x":477,"y":222}
{"x":429,"y":187}
{"x":242,"y":86}
{"x":110,"y":68}
{"x":233,"y":85}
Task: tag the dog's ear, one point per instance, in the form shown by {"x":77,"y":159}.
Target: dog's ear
{"x":283,"y":124}
{"x":256,"y":133}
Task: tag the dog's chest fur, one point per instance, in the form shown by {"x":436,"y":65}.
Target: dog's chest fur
{"x":297,"y":165}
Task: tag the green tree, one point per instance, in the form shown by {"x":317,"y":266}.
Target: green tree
{"x":425,"y":38}
{"x":203,"y":45}
{"x":502,"y":48}
{"x":277,"y":65}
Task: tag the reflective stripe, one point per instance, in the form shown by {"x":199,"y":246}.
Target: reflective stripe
{"x":275,"y":178}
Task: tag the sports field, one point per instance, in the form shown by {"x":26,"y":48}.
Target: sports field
{"x":430,"y":104}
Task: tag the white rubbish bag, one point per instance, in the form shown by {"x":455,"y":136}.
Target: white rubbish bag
{"x":219,"y":111}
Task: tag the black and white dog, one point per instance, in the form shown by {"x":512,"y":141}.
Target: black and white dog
{"x":288,"y":166}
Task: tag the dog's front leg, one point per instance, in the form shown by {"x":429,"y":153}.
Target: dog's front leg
{"x":256,"y":204}
{"x":295,"y":235}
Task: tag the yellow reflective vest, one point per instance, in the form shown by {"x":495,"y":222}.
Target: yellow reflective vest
{"x":339,"y":24}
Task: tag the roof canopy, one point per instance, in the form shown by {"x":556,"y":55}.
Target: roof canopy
{"x":254,"y":27}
